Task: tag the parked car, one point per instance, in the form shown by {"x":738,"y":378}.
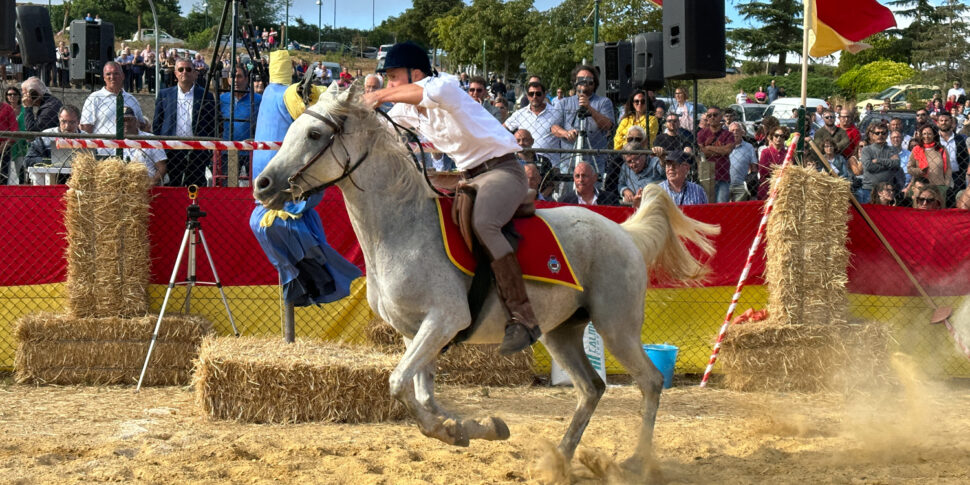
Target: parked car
{"x":908,"y":117}
{"x":367,"y":52}
{"x":382,"y":51}
{"x":328,"y":47}
{"x":750,"y":114}
{"x":148,"y":35}
{"x":226,"y":42}
{"x":782,"y":108}
{"x":915,"y":94}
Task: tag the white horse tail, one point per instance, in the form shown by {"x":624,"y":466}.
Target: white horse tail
{"x":658,"y":228}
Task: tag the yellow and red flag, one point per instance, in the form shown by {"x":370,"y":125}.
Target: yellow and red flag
{"x":836,"y":25}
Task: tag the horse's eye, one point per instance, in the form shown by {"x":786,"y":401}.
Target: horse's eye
{"x":314,"y":134}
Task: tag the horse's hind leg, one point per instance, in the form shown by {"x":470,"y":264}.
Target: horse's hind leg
{"x":565,"y":345}
{"x":621,"y":336}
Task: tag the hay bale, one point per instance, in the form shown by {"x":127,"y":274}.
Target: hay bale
{"x":107,"y":228}
{"x":81,"y":236}
{"x":265,"y":380}
{"x":768,"y":356}
{"x":468,"y":365}
{"x":63,"y":349}
{"x":136,"y":257}
{"x":806,"y":249}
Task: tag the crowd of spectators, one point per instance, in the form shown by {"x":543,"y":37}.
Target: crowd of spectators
{"x":884,"y":160}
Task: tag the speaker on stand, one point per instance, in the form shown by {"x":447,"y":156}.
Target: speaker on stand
{"x":648,"y":66}
{"x":615,"y":63}
{"x":8,"y":26}
{"x":693,"y":39}
{"x":92,"y":45}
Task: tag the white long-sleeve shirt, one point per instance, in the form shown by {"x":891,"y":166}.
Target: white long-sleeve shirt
{"x":455,"y":123}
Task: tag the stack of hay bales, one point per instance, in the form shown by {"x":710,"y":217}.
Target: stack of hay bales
{"x":265,"y":380}
{"x":466,"y":365}
{"x":104,"y":334}
{"x":806,"y":343}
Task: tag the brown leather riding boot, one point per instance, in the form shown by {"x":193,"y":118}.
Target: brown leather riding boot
{"x":522,"y":329}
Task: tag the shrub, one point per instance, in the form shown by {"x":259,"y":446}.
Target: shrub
{"x":874,"y":77}
{"x":200,"y":40}
{"x":818,"y":86}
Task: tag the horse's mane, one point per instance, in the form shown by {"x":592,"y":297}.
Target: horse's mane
{"x":383,"y":145}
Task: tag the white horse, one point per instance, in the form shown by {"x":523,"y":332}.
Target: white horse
{"x":413,"y":286}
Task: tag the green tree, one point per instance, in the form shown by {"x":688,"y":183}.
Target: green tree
{"x":941,"y":53}
{"x":417,"y":22}
{"x":503,"y":27}
{"x":891,"y":45}
{"x":874,"y":77}
{"x":779,"y":32}
{"x":924,"y":20}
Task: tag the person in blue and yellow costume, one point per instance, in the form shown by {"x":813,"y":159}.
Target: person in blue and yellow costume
{"x":311,"y":272}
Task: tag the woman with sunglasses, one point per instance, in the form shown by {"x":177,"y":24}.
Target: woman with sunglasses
{"x":637,"y":111}
{"x":883,"y":194}
{"x":11,"y":119}
{"x":771,"y":156}
{"x":930,"y":159}
{"x":880,"y":161}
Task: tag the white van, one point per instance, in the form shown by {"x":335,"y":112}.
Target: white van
{"x":781,"y":108}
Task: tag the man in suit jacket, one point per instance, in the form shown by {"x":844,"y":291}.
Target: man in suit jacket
{"x":180,"y":111}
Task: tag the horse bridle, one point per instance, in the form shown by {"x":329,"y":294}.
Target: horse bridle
{"x":335,"y":131}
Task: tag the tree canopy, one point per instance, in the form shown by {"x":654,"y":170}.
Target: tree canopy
{"x":779,"y":32}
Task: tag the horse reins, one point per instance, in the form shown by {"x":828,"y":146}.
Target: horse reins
{"x":349,"y":168}
{"x":335,"y":131}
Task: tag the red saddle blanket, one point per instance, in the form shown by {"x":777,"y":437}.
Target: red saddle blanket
{"x":540,"y":255}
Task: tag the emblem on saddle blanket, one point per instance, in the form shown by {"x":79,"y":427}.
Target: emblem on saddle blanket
{"x":540,"y":255}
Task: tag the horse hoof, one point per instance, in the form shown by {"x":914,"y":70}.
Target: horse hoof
{"x":492,"y":429}
{"x":452,"y":433}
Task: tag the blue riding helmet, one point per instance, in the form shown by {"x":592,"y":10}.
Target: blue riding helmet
{"x":409,"y":55}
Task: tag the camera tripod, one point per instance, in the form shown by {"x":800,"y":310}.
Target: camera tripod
{"x":193,"y":228}
{"x":582,"y":143}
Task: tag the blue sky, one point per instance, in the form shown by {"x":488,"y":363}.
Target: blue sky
{"x":359,"y":13}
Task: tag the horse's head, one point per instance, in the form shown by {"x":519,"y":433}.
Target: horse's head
{"x":316,"y":151}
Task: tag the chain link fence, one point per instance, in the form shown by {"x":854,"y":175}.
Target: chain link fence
{"x":33,"y":255}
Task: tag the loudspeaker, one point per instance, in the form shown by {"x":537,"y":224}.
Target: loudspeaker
{"x":648,"y":66}
{"x":615,"y":63}
{"x":35,"y":35}
{"x":92,"y":45}
{"x":694,"y":39}
{"x":8,"y":26}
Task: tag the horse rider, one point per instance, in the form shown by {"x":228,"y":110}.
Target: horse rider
{"x":484,"y":151}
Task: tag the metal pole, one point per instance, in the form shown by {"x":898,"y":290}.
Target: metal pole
{"x":319,"y":21}
{"x":335,"y":16}
{"x":484,"y":70}
{"x":596,"y":21}
{"x":286,"y":25}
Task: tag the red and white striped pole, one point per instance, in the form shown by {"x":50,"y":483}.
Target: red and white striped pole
{"x":168,"y":144}
{"x":747,"y":265}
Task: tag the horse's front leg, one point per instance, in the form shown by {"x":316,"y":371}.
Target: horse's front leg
{"x":412,"y":383}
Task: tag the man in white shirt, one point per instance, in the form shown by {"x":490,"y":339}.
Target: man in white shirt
{"x":538,"y":118}
{"x":179,"y":111}
{"x":956,"y":90}
{"x":100,"y":109}
{"x":483,"y":150}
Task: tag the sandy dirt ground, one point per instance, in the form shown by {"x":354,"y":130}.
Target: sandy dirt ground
{"x":915,"y":433}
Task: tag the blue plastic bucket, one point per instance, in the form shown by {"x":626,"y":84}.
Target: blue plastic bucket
{"x":663,"y":357}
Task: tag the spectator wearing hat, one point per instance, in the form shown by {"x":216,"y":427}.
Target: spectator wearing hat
{"x":676,"y":166}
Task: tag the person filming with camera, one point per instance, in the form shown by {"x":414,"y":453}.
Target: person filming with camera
{"x":585,"y":107}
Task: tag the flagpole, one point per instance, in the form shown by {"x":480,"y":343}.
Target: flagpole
{"x":808,"y":12}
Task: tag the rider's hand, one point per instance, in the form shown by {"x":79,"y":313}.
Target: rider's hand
{"x":371,"y":100}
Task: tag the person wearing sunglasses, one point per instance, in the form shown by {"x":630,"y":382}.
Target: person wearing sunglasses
{"x":180,"y":111}
{"x":98,"y":115}
{"x":537,"y":117}
{"x":928,"y":199}
{"x":771,"y":156}
{"x":41,"y":107}
{"x":477,"y":90}
{"x":930,"y":159}
{"x":571,"y":111}
{"x":638,"y":171}
{"x":880,"y":161}
{"x":8,"y":122}
{"x":637,"y":112}
{"x":830,"y":131}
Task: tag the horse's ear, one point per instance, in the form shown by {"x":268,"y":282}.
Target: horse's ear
{"x":354,"y":90}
